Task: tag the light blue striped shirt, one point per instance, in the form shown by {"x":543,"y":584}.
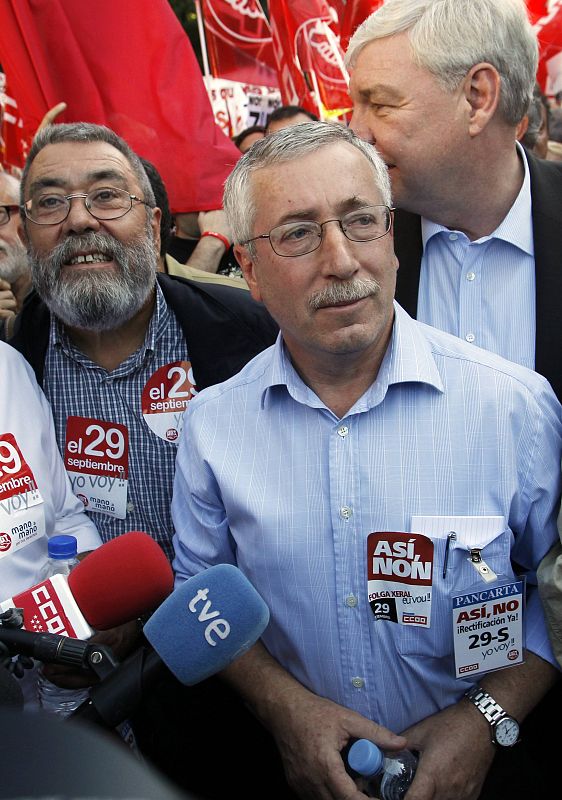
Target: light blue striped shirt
{"x":271,"y":480}
{"x":484,"y":291}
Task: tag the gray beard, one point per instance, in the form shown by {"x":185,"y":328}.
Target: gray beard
{"x":15,"y":263}
{"x":96,"y":300}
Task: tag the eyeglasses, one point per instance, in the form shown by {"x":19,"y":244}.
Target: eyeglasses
{"x":294,"y":239}
{"x":5,"y":212}
{"x":107,"y":202}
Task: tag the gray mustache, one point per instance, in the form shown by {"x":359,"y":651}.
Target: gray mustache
{"x":348,"y":292}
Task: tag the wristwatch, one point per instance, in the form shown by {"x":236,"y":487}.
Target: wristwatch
{"x":504,"y":729}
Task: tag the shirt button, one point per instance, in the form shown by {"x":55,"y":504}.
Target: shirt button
{"x":470,"y":337}
{"x":453,"y":237}
{"x":358,"y":683}
{"x":470,"y":276}
{"x":130,"y":506}
{"x":351,"y":601}
{"x":345,"y":512}
{"x":343,"y":431}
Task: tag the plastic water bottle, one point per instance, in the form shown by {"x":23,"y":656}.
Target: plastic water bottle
{"x":388,"y":775}
{"x":61,"y":559}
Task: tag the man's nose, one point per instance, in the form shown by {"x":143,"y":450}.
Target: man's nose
{"x":79,"y":218}
{"x":338,"y":251}
{"x":360,"y":126}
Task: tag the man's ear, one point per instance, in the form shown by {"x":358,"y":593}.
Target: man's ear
{"x":482,"y":87}
{"x":248,"y":269}
{"x":155,"y":225}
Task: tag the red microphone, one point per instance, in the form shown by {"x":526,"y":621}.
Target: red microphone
{"x":121,"y":580}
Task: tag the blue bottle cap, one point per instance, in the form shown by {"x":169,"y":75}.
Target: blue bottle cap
{"x":365,"y":758}
{"x":62,"y":546}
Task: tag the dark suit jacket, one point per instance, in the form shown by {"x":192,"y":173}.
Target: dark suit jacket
{"x":546,"y":193}
{"x":223,"y":327}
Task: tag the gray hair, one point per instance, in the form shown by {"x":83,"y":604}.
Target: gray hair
{"x":448,"y":37}
{"x":86,"y":132}
{"x":286,"y":145}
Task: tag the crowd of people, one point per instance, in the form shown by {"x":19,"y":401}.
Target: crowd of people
{"x":346,"y":383}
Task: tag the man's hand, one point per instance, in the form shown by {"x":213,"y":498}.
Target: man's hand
{"x":8,"y":303}
{"x":456,"y":753}
{"x":310,"y":731}
{"x":310,"y":735}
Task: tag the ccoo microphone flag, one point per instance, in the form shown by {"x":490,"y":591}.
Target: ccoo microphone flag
{"x":122,"y":579}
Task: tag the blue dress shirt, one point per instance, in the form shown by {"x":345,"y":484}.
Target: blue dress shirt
{"x":269,"y":479}
{"x":484,"y":291}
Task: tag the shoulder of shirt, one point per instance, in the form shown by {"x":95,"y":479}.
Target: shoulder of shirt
{"x":252,"y":373}
{"x":447,"y":346}
{"x":13,"y":362}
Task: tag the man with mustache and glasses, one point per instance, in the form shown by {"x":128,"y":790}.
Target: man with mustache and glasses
{"x":15,"y":278}
{"x":119,"y":352}
{"x":378,"y":469}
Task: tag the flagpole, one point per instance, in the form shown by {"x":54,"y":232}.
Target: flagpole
{"x":202,"y":41}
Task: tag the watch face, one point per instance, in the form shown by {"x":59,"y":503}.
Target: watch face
{"x":506,"y":732}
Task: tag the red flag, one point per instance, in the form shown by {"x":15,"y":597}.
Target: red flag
{"x":13,"y":145}
{"x":536,"y":9}
{"x":239,"y":41}
{"x":309,"y":56}
{"x":549,"y":34}
{"x":356,"y":11}
{"x":126,"y":65}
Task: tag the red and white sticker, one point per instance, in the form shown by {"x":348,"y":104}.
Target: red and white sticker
{"x":96,"y":457}
{"x":165,"y":398}
{"x":22,"y":517}
{"x":400,"y":573}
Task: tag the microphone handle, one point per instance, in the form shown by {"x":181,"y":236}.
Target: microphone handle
{"x":115,"y":698}
{"x":47,"y":647}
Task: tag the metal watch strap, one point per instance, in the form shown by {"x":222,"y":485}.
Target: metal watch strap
{"x":485,"y":703}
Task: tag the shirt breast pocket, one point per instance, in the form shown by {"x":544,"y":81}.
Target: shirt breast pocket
{"x":455,"y":573}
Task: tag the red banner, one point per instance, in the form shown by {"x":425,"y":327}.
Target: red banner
{"x":355,"y":12}
{"x":13,"y":144}
{"x":309,"y":55}
{"x":549,"y":34}
{"x":126,"y":65}
{"x":239,"y":42}
{"x":536,"y":9}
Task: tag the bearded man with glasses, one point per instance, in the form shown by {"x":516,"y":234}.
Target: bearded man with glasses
{"x":379,"y":464}
{"x":119,"y":352}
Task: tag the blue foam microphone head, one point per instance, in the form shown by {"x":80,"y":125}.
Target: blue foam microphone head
{"x":207,"y":622}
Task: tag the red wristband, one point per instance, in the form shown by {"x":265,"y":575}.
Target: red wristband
{"x":219,"y":236}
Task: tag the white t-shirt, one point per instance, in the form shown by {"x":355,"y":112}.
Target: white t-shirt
{"x":36,"y":500}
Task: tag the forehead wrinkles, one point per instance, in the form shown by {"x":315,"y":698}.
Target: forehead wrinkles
{"x":74,"y":164}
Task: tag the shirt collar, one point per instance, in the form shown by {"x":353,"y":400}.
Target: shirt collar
{"x":517,"y":226}
{"x":159,"y":321}
{"x":408,"y":359}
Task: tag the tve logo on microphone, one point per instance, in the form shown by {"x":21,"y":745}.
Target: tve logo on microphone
{"x":207,"y":622}
{"x":219,"y":627}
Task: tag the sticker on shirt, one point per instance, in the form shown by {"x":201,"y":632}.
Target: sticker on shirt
{"x":488,"y":628}
{"x":165,"y":398}
{"x":400,"y":571}
{"x":96,"y":457}
{"x":22,"y":516}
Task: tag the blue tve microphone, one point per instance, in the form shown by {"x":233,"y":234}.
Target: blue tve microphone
{"x":206,"y":623}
